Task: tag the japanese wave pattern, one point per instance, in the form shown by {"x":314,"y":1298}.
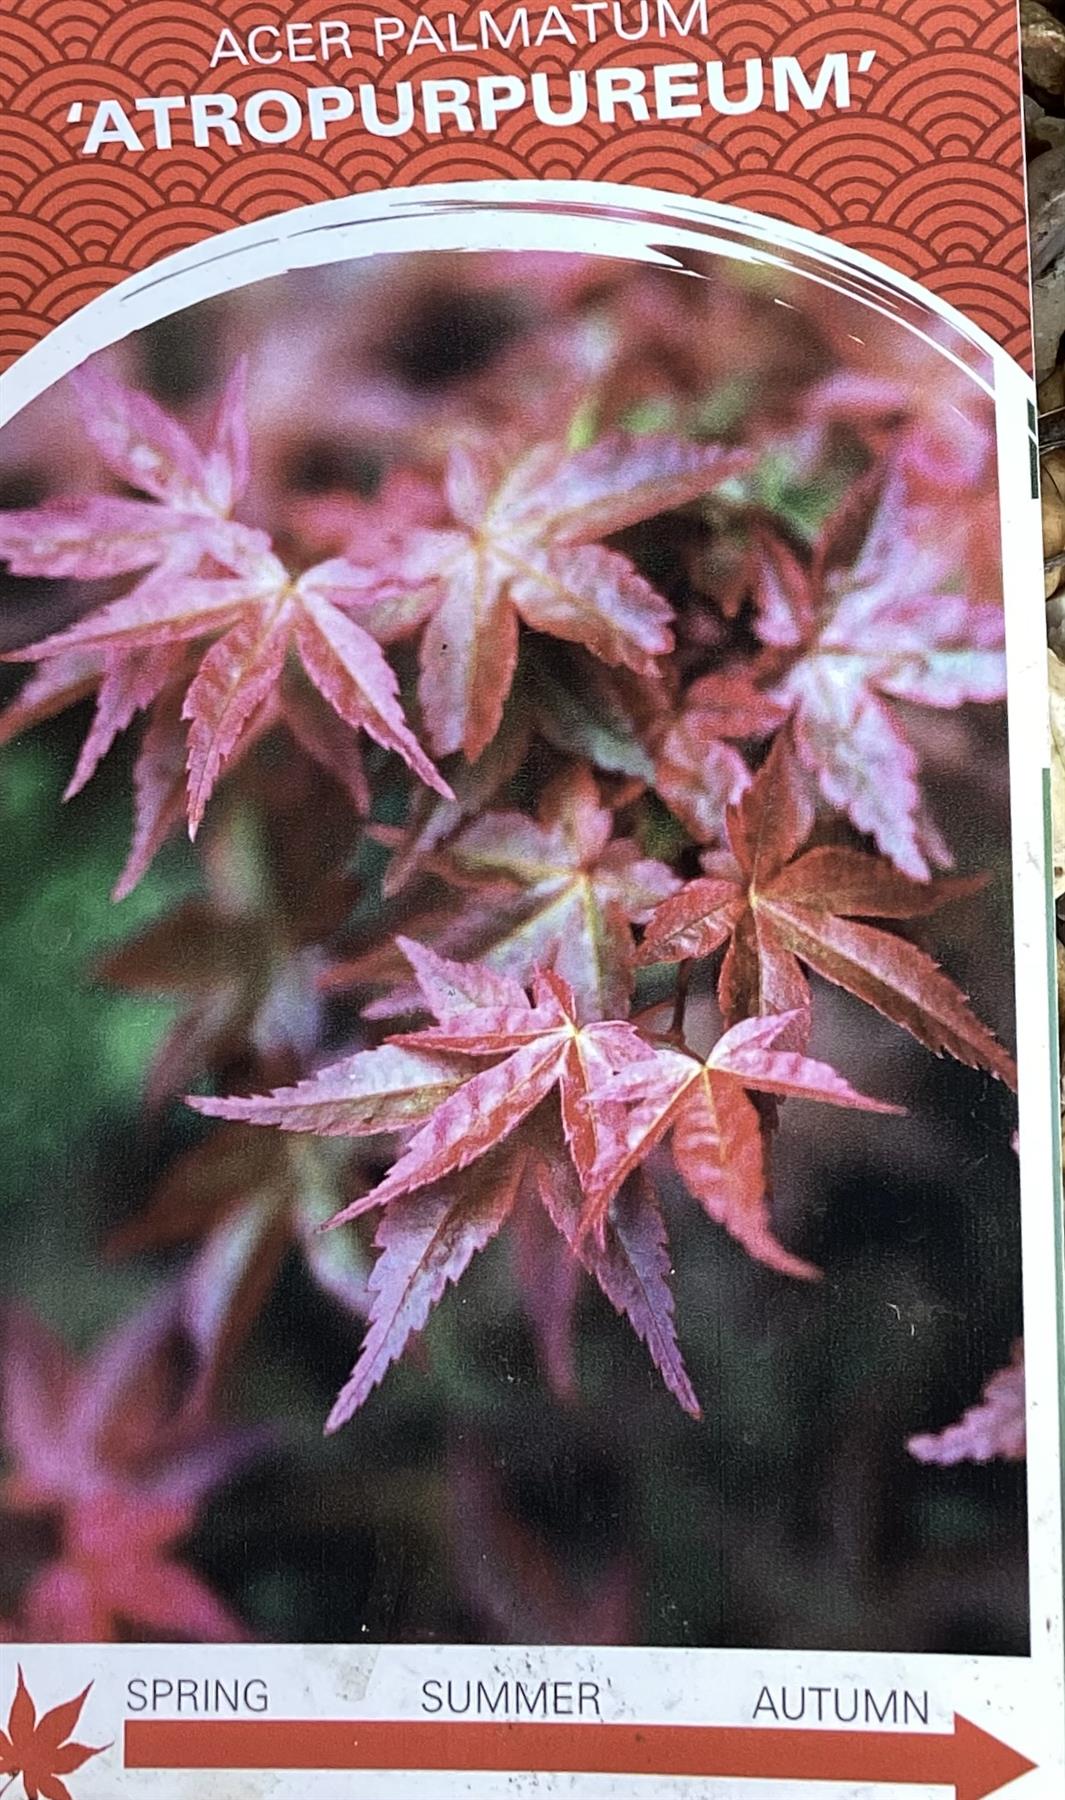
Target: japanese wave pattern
{"x":923,"y":172}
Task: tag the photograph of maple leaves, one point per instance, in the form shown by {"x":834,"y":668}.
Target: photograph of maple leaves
{"x":514,"y":1142}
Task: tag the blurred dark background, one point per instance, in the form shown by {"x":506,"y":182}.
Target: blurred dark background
{"x":467,"y":1502}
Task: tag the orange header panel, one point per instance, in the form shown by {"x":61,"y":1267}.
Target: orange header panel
{"x":924,"y":168}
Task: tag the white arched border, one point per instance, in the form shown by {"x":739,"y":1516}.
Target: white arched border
{"x":582,"y":217}
{"x":641,"y":224}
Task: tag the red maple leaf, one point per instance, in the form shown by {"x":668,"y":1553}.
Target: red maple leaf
{"x":556,"y":891}
{"x":428,"y":1238}
{"x":524,"y":545}
{"x":240,"y":961}
{"x":699,"y":772}
{"x":427,"y":1241}
{"x":439,"y":1211}
{"x":717,"y":1133}
{"x":861,"y":631}
{"x":536,"y":1045}
{"x":628,"y":1255}
{"x":777,"y":910}
{"x":248,"y":1201}
{"x":39,"y":1749}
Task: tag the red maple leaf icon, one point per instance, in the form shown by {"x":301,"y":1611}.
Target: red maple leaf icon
{"x":37,"y":1749}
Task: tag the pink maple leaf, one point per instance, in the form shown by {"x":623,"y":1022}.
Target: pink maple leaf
{"x":99,"y":1446}
{"x":205,"y":637}
{"x":558,"y":890}
{"x":892,"y":624}
{"x":190,"y":492}
{"x":995,"y":1427}
{"x":524,"y":545}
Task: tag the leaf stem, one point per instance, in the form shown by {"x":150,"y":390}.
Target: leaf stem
{"x":680,"y":1000}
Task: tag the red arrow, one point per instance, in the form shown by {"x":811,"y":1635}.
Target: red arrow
{"x":966,"y":1759}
